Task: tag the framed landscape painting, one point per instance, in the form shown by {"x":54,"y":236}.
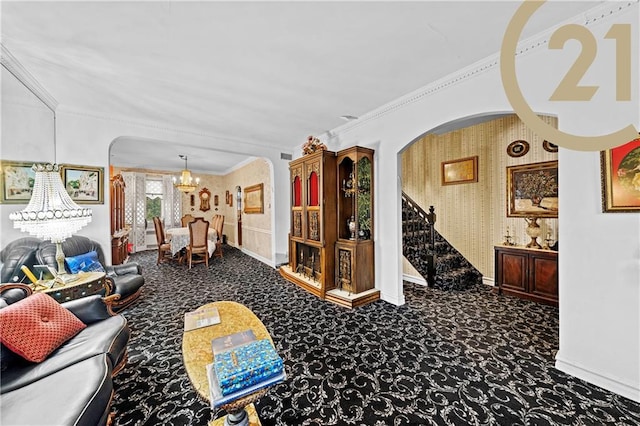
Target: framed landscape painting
{"x":620,"y":176}
{"x":463,"y":170}
{"x":16,"y":182}
{"x":85,"y":185}
{"x":532,"y":190}
{"x":254,"y":199}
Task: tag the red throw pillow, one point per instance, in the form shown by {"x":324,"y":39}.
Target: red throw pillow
{"x":36,"y":326}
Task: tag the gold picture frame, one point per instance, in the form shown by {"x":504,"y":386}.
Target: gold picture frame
{"x":254,"y":199}
{"x":532,"y":190}
{"x":16,"y":181}
{"x":463,"y":170}
{"x":620,"y":174}
{"x":84,"y":184}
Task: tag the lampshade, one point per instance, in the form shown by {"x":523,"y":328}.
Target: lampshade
{"x":51,"y":213}
{"x":186,"y":181}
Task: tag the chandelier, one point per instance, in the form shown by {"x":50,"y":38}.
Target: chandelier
{"x":51,"y":213}
{"x":186,"y":181}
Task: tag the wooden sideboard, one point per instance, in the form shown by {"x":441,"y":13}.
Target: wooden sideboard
{"x":527,"y":273}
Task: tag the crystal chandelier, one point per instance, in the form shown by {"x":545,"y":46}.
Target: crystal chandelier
{"x":51,"y":213}
{"x":186,"y":181}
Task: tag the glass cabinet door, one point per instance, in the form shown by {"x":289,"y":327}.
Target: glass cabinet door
{"x":363,"y":199}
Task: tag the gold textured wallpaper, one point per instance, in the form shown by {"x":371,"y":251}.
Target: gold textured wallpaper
{"x":473,"y":216}
{"x":256,"y":228}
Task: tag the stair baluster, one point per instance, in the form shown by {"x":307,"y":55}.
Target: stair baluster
{"x":418,"y":228}
{"x":432,"y":255}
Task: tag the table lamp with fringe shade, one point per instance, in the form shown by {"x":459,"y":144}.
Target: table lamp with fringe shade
{"x":51,"y":213}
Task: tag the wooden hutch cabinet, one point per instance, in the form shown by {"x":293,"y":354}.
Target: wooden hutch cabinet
{"x":527,"y":273}
{"x":119,"y":234}
{"x":331,"y":239}
{"x":313,"y":218}
{"x":354,"y":249}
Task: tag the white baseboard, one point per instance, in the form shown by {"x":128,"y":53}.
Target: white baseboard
{"x":419,"y":280}
{"x":613,"y":385}
{"x":260,"y":258}
{"x":414,"y":279}
{"x":392,"y":299}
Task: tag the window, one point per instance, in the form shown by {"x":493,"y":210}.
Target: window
{"x":153,"y":192}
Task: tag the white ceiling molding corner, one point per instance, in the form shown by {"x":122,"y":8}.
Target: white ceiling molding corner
{"x":25,"y":77}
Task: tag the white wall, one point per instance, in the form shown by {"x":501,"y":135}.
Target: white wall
{"x":599,"y":257}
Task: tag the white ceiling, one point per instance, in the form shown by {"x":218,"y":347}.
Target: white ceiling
{"x":267,"y":73}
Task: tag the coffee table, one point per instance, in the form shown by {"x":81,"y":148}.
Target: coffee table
{"x":196,"y":354}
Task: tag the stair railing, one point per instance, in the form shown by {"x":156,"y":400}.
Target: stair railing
{"x":418,"y":225}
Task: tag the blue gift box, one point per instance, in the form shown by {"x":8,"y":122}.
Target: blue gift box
{"x":246,"y":365}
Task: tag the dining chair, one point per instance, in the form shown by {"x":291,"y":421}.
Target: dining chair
{"x":198,"y":242}
{"x":164,"y":248}
{"x":186,"y":219}
{"x":218,"y":228}
{"x":214,"y":221}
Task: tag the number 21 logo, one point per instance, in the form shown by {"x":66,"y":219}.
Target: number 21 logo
{"x":569,"y":88}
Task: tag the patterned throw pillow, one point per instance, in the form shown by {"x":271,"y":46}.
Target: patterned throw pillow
{"x":36,"y":326}
{"x":87,"y":262}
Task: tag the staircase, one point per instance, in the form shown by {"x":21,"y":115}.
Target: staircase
{"x":441,"y":265}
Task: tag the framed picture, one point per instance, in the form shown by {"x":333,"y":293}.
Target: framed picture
{"x":226,"y":197}
{"x":549,"y":147}
{"x":532,"y":190}
{"x":517,"y":148}
{"x":464,"y":170}
{"x":620,"y":175}
{"x":84,"y":184}
{"x":254,"y":199}
{"x":16,"y":182}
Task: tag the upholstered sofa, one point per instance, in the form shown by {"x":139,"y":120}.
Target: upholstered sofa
{"x":73,"y":384}
{"x":125,"y":281}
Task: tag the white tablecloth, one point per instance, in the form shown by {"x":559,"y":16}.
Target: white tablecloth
{"x":179,"y":239}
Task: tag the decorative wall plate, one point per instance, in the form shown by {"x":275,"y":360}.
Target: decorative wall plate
{"x":518,"y":148}
{"x":550,"y":147}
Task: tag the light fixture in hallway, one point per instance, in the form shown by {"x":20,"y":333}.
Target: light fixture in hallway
{"x":186,"y":183}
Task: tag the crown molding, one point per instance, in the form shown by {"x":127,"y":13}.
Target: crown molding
{"x":29,"y":81}
{"x":603,"y":12}
{"x":240,"y":165}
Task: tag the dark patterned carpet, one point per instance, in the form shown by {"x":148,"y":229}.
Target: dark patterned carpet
{"x":444,"y":358}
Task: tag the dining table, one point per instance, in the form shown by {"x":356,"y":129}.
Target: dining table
{"x":179,"y":239}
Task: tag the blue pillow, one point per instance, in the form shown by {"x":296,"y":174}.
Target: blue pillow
{"x":87,"y":262}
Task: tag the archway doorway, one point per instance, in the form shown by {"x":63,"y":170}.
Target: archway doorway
{"x":471,"y":216}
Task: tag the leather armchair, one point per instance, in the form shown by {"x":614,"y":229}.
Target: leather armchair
{"x":15,"y":254}
{"x":125,"y":281}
